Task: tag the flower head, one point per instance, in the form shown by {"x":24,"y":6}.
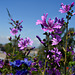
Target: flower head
{"x":43,"y":21}
{"x":65,"y":8}
{"x":17,"y":63}
{"x":1,"y":63}
{"x":52,"y":25}
{"x":28,"y":63}
{"x":14,"y":31}
{"x":24,"y":43}
{"x":72,"y":4}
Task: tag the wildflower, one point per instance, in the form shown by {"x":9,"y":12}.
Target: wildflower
{"x":56,"y":55}
{"x":48,"y":57}
{"x":72,"y":4}
{"x":18,"y":72}
{"x":29,"y":41}
{"x":17,"y":63}
{"x":1,"y":63}
{"x":49,"y":72}
{"x":24,"y":43}
{"x":73,"y":14}
{"x":14,"y":31}
{"x":43,"y":21}
{"x":22,"y":72}
{"x":65,"y":8}
{"x":52,"y":25}
{"x":28,"y":63}
{"x":33,"y":69}
{"x":54,"y":41}
{"x":40,"y":39}
{"x":12,"y":20}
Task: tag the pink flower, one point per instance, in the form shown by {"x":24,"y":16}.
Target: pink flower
{"x":1,"y":63}
{"x":43,"y":21}
{"x":54,"y":41}
{"x":24,"y":43}
{"x":52,"y":24}
{"x":73,"y":14}
{"x":72,"y":4}
{"x":14,"y":31}
{"x":65,"y":8}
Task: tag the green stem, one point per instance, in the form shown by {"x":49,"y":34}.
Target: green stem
{"x":44,"y":67}
{"x":13,"y":50}
{"x":65,"y":55}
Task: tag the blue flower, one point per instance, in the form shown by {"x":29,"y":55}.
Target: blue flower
{"x":24,"y":71}
{"x":28,"y":63}
{"x":12,"y":64}
{"x":18,"y":72}
{"x":17,"y":63}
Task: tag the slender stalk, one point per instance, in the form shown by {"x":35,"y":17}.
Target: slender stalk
{"x":44,"y":68}
{"x":13,"y":50}
{"x":66,"y":45}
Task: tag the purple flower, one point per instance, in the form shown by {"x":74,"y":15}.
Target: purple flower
{"x":72,"y":52}
{"x":72,"y":4}
{"x":12,"y":20}
{"x":24,"y":72}
{"x":48,"y":57}
{"x":55,"y":71}
{"x":40,"y":39}
{"x":14,"y":31}
{"x":58,"y":31}
{"x":40,"y":64}
{"x":18,"y":25}
{"x":24,"y":43}
{"x":52,"y":25}
{"x":18,"y":72}
{"x":17,"y":63}
{"x":1,"y":63}
{"x":49,"y":72}
{"x":34,"y":69}
{"x":54,"y":41}
{"x":12,"y":64}
{"x":43,"y":21}
{"x":73,"y":14}
{"x":56,"y":55}
{"x":28,"y":63}
{"x":20,"y":22}
{"x":73,"y":74}
{"x":65,"y":8}
{"x":29,"y":41}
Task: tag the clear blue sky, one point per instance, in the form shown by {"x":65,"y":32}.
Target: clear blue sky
{"x":29,"y":11}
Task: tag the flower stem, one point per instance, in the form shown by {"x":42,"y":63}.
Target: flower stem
{"x":65,"y":55}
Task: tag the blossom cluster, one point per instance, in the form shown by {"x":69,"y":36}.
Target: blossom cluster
{"x":23,"y":43}
{"x":53,"y":27}
{"x":66,"y":8}
{"x":1,"y":63}
{"x":18,"y":63}
{"x":17,"y":27}
{"x":50,"y":63}
{"x":55,"y":55}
